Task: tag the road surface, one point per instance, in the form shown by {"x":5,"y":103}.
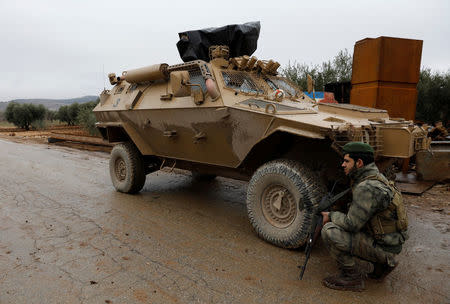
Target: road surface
{"x":67,"y":237}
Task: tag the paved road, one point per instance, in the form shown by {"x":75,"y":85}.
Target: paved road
{"x":67,"y":237}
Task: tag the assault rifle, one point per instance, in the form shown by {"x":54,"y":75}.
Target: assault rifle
{"x":317,"y":223}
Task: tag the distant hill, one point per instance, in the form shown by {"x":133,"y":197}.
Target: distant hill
{"x":51,"y":104}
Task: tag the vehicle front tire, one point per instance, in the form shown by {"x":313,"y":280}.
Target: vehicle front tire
{"x":126,"y":168}
{"x":282,"y":197}
{"x":203,"y":177}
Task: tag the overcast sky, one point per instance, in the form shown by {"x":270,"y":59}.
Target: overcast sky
{"x":65,"y":48}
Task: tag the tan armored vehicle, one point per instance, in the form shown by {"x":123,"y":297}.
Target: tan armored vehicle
{"x":235,"y":116}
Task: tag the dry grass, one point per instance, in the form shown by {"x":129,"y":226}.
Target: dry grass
{"x":5,"y":124}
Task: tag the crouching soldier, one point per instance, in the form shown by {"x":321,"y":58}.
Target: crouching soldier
{"x":366,"y":240}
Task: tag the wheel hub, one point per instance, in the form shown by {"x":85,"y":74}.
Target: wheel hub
{"x":120,"y":169}
{"x":278,"y":206}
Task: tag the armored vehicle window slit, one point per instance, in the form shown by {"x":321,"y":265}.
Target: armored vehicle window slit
{"x":281,"y":83}
{"x":241,"y":82}
{"x":196,"y":77}
{"x":195,"y":73}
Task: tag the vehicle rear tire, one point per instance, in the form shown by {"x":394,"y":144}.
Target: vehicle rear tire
{"x":282,"y":197}
{"x":126,"y":167}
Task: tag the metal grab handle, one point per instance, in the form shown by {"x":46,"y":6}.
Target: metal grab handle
{"x":192,"y":85}
{"x":250,"y":104}
{"x":273,"y":106}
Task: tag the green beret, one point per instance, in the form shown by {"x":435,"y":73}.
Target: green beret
{"x":357,"y":147}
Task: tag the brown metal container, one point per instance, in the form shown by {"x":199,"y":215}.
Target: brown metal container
{"x":385,"y":74}
{"x":435,"y":164}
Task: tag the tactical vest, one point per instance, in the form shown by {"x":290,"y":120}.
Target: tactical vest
{"x":393,"y":218}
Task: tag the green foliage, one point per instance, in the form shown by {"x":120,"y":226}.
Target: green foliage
{"x":72,"y":111}
{"x":338,"y":69}
{"x":62,"y":114}
{"x":433,"y":100}
{"x":22,"y":115}
{"x":51,"y":115}
{"x":68,"y":114}
{"x":39,"y":124}
{"x":2,"y":116}
{"x":297,"y":73}
{"x":343,"y":65}
{"x":79,"y":114}
{"x":86,"y":117}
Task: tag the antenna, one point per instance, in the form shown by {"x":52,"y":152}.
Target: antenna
{"x":104,"y":82}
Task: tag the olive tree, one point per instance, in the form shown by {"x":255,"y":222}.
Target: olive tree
{"x":68,"y":114}
{"x":338,"y":69}
{"x":23,"y":115}
{"x":433,"y":100}
{"x":86,"y":117}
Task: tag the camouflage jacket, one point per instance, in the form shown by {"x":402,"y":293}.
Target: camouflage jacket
{"x":370,"y":196}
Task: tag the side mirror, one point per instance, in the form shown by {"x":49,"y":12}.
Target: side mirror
{"x":112,"y":78}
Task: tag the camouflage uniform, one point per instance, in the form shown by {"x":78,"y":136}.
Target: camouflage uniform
{"x":347,"y":236}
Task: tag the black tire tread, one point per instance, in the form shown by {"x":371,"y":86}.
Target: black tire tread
{"x":310,"y":187}
{"x":204,"y":177}
{"x":134,"y":159}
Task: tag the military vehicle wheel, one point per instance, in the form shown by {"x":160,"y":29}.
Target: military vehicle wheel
{"x":389,"y":172}
{"x":281,"y":199}
{"x":203,"y":176}
{"x":126,"y":168}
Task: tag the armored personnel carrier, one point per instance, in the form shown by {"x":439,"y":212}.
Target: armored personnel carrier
{"x":226,"y":113}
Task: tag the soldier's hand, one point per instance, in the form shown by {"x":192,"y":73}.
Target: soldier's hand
{"x":326,"y":217}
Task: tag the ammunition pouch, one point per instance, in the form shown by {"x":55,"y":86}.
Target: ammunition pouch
{"x":393,"y":218}
{"x":383,"y":223}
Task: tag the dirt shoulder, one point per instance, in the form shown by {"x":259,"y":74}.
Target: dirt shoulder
{"x":41,"y":137}
{"x":37,"y":136}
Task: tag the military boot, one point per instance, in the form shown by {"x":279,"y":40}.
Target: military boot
{"x":349,"y":278}
{"x":380,"y":271}
{"x":364,"y":267}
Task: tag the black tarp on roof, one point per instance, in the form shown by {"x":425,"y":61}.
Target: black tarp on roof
{"x":240,"y":38}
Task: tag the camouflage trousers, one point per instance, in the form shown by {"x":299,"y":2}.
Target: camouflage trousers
{"x":346,"y":247}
